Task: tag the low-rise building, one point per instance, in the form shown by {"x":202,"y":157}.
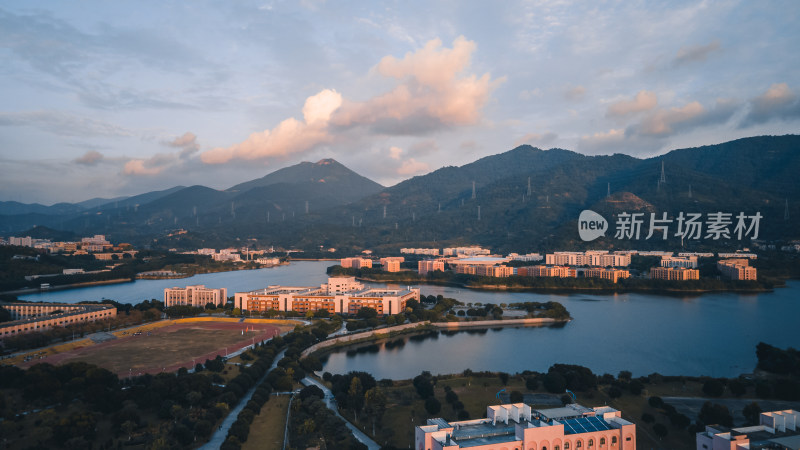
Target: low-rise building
{"x":430,"y":265}
{"x":518,"y":426}
{"x":737,"y":269}
{"x":356,"y":263}
{"x":197,"y":295}
{"x":340,"y":295}
{"x":27,"y":317}
{"x":600,"y":258}
{"x":420,"y":251}
{"x":548,"y":271}
{"x":674,"y":273}
{"x":776,"y":430}
{"x":606,"y":274}
{"x":679,"y":261}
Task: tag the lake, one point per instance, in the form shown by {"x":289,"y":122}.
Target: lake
{"x":712,"y":334}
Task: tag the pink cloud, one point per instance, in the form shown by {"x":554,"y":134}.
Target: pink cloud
{"x":643,"y":101}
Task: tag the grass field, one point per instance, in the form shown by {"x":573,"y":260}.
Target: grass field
{"x":170,"y":346}
{"x":266,"y":430}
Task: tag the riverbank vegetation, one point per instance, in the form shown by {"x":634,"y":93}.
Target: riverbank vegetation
{"x":521,"y":283}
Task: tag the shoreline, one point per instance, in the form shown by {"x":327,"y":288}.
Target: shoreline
{"x":571,"y":289}
{"x":68,"y":286}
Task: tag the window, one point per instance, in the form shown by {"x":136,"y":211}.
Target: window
{"x":566,"y":445}
{"x":613,"y":439}
{"x":591,"y":442}
{"x":602,"y":441}
{"x":578,"y":444}
{"x":628,"y":438}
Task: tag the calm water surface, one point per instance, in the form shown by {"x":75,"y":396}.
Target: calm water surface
{"x":713,"y":334}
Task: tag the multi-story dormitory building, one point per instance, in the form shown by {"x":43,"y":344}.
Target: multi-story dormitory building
{"x":29,"y":317}
{"x":339,"y":295}
{"x":518,"y":426}
{"x":674,"y":273}
{"x":737,"y":269}
{"x":599,"y":258}
{"x":197,"y":295}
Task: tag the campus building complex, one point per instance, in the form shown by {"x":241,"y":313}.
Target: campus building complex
{"x":690,"y":262}
{"x":27,"y":317}
{"x":356,"y":263}
{"x":517,"y":426}
{"x":392,"y":263}
{"x":430,"y":265}
{"x":776,"y":430}
{"x":606,"y":274}
{"x":548,"y":271}
{"x":197,"y":296}
{"x":589,"y":258}
{"x":674,"y":273}
{"x":339,"y":295}
{"x":737,"y":269}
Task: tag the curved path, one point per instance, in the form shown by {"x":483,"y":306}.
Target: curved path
{"x":219,"y":436}
{"x":331,"y":403}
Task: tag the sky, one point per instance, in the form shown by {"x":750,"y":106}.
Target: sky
{"x":108,"y":99}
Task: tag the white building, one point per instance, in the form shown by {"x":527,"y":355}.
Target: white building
{"x":689,"y":262}
{"x":776,"y":429}
{"x":196,"y":295}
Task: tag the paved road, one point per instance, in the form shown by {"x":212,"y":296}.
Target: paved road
{"x":219,"y":436}
{"x":331,"y":403}
{"x":690,"y":406}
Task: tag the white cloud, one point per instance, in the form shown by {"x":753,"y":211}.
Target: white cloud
{"x":643,"y":101}
{"x":575,"y":93}
{"x":602,"y":141}
{"x":142,"y":167}
{"x":291,"y":136}
{"x":395,"y":152}
{"x":779,"y":102}
{"x":536,"y":139}
{"x":413,"y":167}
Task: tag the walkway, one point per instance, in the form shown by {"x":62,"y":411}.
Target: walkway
{"x":219,"y":436}
{"x":330,"y":402}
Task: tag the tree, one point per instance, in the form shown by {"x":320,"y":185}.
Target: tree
{"x":714,"y":387}
{"x":660,"y":430}
{"x":355,"y":396}
{"x":648,"y":418}
{"x":365,"y":312}
{"x":503,"y":378}
{"x":712,"y":413}
{"x":751,"y":413}
{"x":554,"y":382}
{"x":737,"y":387}
{"x":532,"y":383}
{"x":655,"y":401}
{"x":515,"y":397}
{"x":432,"y":406}
{"x":375,"y":405}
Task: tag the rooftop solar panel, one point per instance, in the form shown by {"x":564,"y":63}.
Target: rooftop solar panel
{"x":584,"y":425}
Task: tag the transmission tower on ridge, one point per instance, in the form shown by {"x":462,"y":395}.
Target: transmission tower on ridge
{"x":473,"y":190}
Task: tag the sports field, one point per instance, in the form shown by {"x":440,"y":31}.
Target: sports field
{"x":168,"y":348}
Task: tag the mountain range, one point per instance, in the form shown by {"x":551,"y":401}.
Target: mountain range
{"x":524,"y":199}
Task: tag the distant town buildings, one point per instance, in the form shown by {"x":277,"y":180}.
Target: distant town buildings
{"x":518,"y":426}
{"x":679,"y":261}
{"x":27,"y":317}
{"x":776,"y":430}
{"x":548,"y":271}
{"x":738,"y":255}
{"x":197,"y":296}
{"x":674,"y":273}
{"x":356,"y":263}
{"x":737,"y":269}
{"x":96,"y":245}
{"x":466,"y":251}
{"x":430,"y":265}
{"x":339,"y":295}
{"x":392,"y":263}
{"x":588,"y":258}
{"x":612,"y":275}
{"x":420,"y":251}
{"x":530,"y":257}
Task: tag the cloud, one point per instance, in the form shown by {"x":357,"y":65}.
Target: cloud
{"x":576,"y":93}
{"x":187,"y":143}
{"x":602,"y":141}
{"x":433,"y":92}
{"x":142,"y":167}
{"x":291,"y":136}
{"x":412,"y":167}
{"x":536,"y":139}
{"x":62,"y":124}
{"x":779,"y":102}
{"x":643,"y":101}
{"x":667,"y":121}
{"x":395,"y":152}
{"x":90,"y":158}
{"x":425,"y":147}
{"x":695,"y":53}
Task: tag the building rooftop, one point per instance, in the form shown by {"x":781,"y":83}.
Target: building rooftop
{"x":584,"y":425}
{"x":570,"y":411}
